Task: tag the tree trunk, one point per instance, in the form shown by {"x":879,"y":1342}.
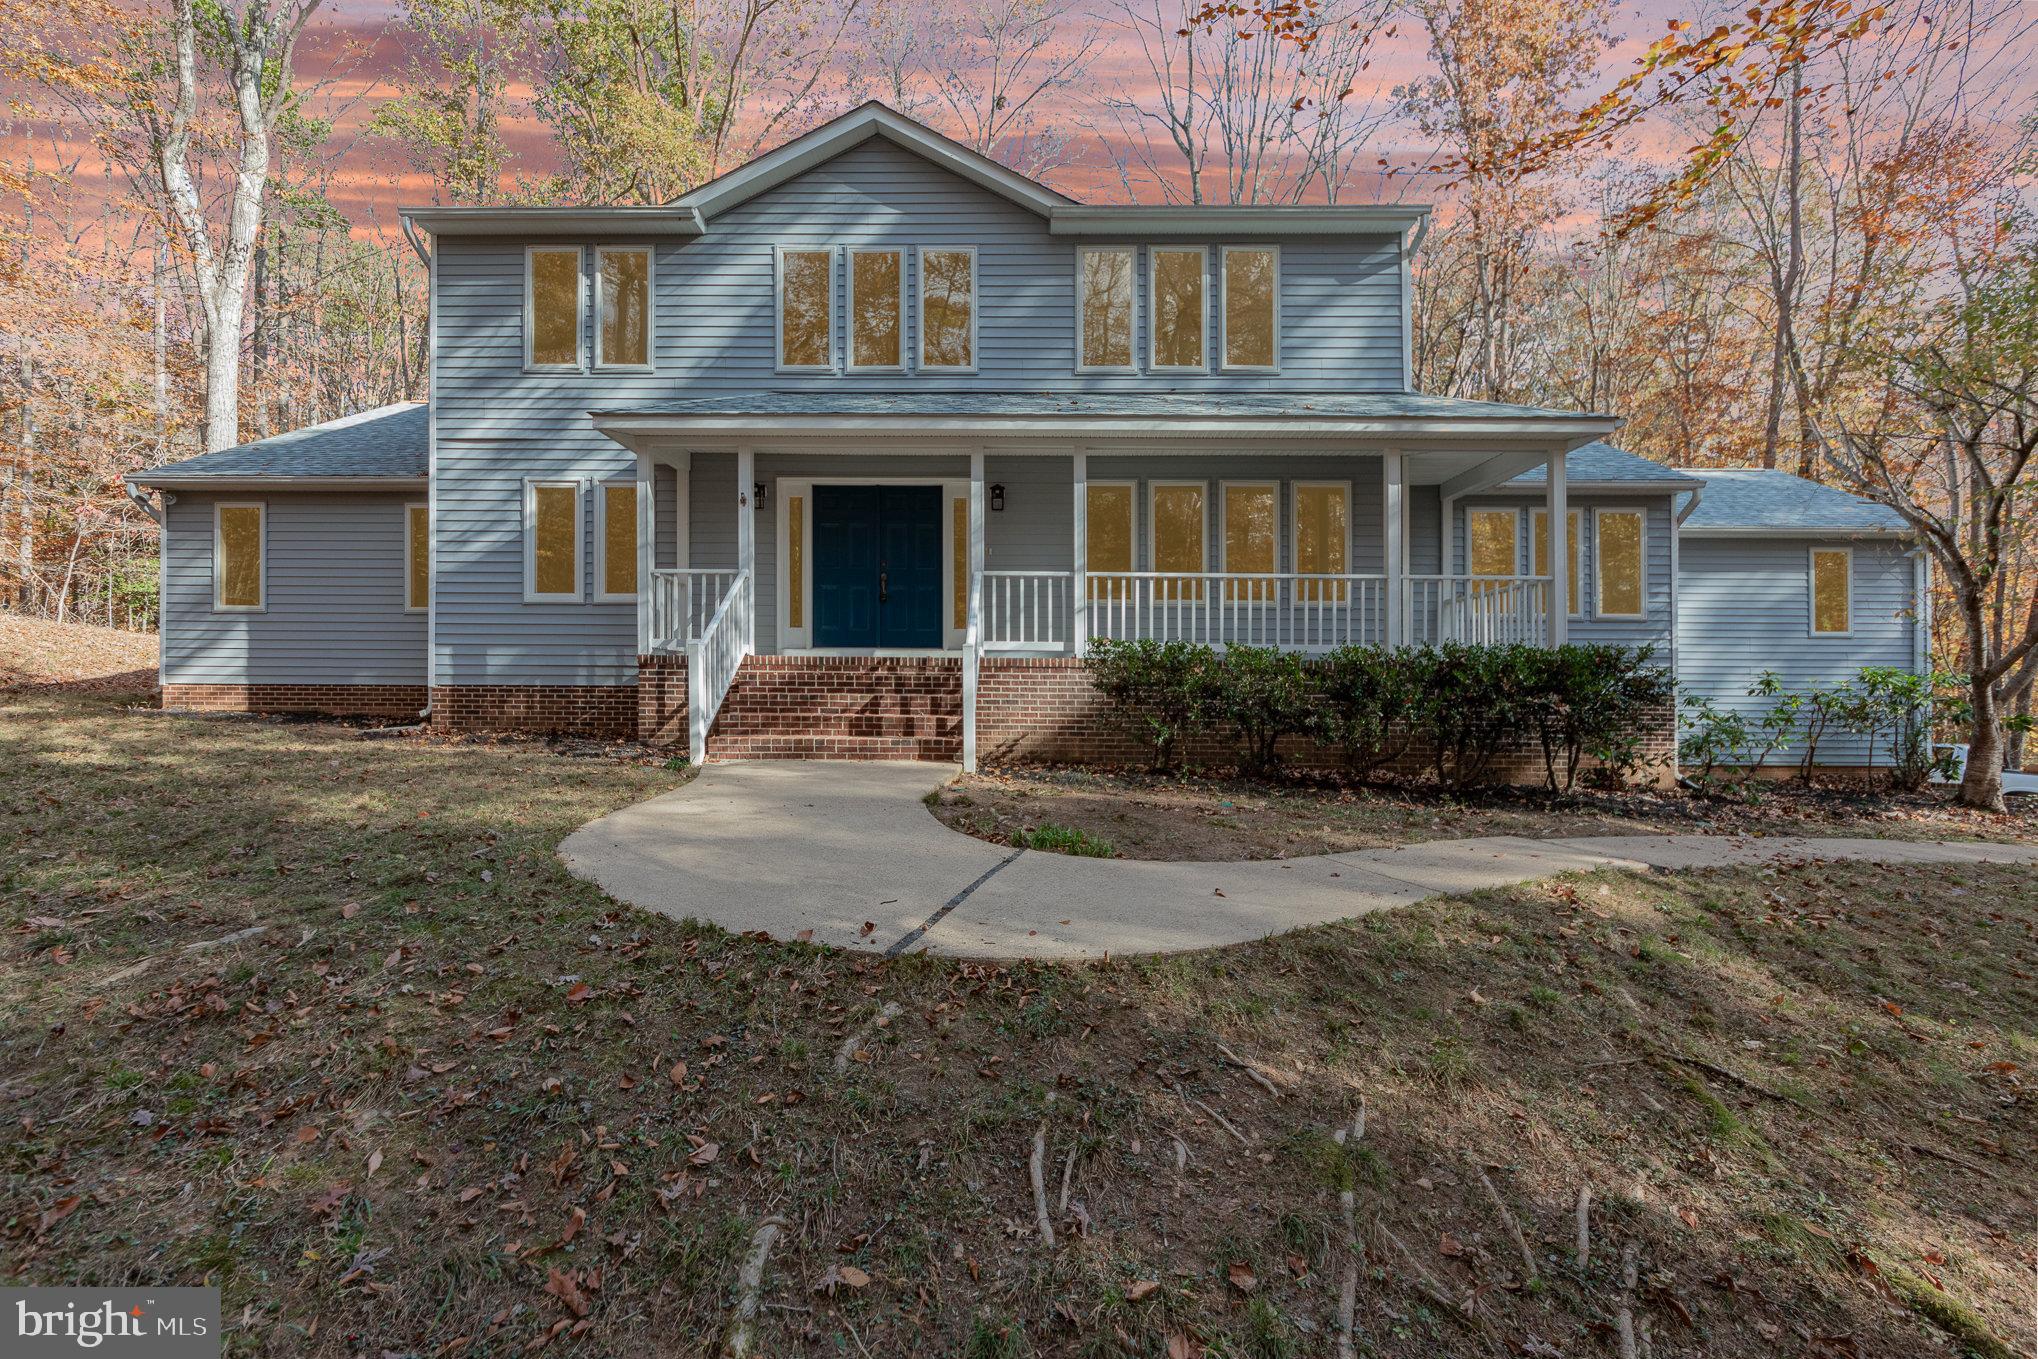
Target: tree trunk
{"x":1983,"y":784}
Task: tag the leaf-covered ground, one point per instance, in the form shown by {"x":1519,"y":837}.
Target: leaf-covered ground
{"x":321,"y":1019}
{"x":1168,"y":816}
{"x":79,"y":656}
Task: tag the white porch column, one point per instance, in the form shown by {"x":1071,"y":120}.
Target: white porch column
{"x":972,"y":641}
{"x":1079,"y":566}
{"x":1394,"y":550}
{"x":1558,"y":515}
{"x":647,"y":529}
{"x":746,"y":535}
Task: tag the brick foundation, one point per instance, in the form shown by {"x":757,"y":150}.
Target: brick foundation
{"x":333,"y":700}
{"x":1044,"y":710}
{"x":661,"y":700}
{"x":840,"y":708}
{"x":608,"y":711}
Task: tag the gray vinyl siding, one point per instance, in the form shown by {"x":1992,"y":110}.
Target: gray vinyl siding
{"x":1653,"y":628}
{"x":498,"y":425}
{"x":1744,"y":606}
{"x":334,"y":575}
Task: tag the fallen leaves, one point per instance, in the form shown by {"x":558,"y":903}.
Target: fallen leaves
{"x":840,"y":1276}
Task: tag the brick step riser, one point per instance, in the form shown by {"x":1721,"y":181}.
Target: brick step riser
{"x":840,"y":709}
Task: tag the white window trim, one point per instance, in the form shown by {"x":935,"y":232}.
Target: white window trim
{"x":1812,"y":590}
{"x":219,"y":604}
{"x":408,"y":508}
{"x":531,"y":485}
{"x":1153,"y":330}
{"x":1132,"y":312}
{"x":1513,"y":513}
{"x":1153,"y":487}
{"x":1295,"y":490}
{"x":1574,"y":541}
{"x":920,"y":253}
{"x":601,"y":363}
{"x":601,"y":539}
{"x":1224,"y":310}
{"x":778,"y":254}
{"x":849,"y":362}
{"x":1224,"y":534}
{"x":1600,"y":515}
{"x":579,"y":363}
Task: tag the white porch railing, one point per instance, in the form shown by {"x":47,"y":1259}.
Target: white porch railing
{"x":1480,"y":610}
{"x":1027,"y":610}
{"x":682,"y":602}
{"x":1289,"y":610}
{"x":712,"y":660}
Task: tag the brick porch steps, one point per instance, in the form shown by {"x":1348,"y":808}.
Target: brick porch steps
{"x":841,"y":708}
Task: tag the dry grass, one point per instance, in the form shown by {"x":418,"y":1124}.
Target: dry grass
{"x":1147,"y":816}
{"x":77,"y":656}
{"x":451,"y":1101}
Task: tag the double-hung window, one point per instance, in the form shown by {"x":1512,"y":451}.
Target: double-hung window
{"x":1178,"y":310}
{"x":806,"y":310}
{"x":553,"y":295}
{"x":1110,"y":515}
{"x":1251,"y":308}
{"x":1104,"y":308}
{"x":622,"y":300}
{"x":1572,"y":552}
{"x":1619,"y":549}
{"x":1177,"y":529}
{"x":1832,"y":582}
{"x":948,"y":308}
{"x":615,"y":545}
{"x":240,"y":551}
{"x":552,"y":541}
{"x":1323,"y":539}
{"x":417,"y":557}
{"x":1249,"y":511}
{"x":877,"y":310}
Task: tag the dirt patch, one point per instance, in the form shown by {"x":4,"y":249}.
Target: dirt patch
{"x":1146,"y":816}
{"x":76,"y":658}
{"x":323,"y":1021}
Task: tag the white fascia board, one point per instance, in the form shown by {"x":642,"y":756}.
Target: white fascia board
{"x":499,"y":221}
{"x":1791,"y":531}
{"x":1537,"y":488}
{"x":1113,"y":220}
{"x":1584,"y":429}
{"x":172,"y":481}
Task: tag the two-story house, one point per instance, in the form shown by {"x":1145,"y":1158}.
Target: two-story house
{"x":853,"y":450}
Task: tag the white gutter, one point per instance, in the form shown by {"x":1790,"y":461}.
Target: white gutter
{"x":1794,"y":531}
{"x":756,"y":426}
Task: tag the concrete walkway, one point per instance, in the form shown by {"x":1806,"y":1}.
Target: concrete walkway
{"x":845,"y":853}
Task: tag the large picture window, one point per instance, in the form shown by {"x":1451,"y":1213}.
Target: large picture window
{"x":1178,"y":314}
{"x":552,"y":541}
{"x":240,"y":550}
{"x":1110,"y":535}
{"x":552,"y":295}
{"x":1104,"y":308}
{"x":1541,"y":529}
{"x":1832,"y":591}
{"x":1177,"y":523}
{"x":948,"y":309}
{"x":1618,"y":548}
{"x":806,"y":309}
{"x":1251,"y":286}
{"x":622,"y":338}
{"x":1322,"y":538}
{"x":1249,"y":511}
{"x":877,"y":308}
{"x":417,"y":557}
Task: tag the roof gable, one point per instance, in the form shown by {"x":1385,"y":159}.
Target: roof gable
{"x":852,"y":129}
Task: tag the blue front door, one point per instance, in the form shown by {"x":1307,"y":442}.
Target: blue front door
{"x":877,"y":566}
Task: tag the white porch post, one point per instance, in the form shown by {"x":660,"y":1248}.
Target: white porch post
{"x":746,"y":537}
{"x":1394,"y":549}
{"x":1557,"y":514}
{"x":972,"y":642}
{"x":647,"y":527}
{"x":1079,"y":566}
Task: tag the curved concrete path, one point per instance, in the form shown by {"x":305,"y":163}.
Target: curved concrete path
{"x":845,"y":853}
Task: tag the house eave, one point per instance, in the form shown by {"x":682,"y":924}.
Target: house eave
{"x":1570,"y":431}
{"x":1109,"y":221}
{"x":1791,"y":531}
{"x":1575,"y":485}
{"x":641,"y":222}
{"x":172,"y":481}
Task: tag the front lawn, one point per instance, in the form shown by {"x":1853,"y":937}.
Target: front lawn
{"x":321,"y":1020}
{"x":1163,"y":816}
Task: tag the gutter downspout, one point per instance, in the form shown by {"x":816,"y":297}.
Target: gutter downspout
{"x":410,"y":233}
{"x":1676,"y":595}
{"x":162,"y":517}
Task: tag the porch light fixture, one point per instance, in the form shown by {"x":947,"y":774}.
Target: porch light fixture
{"x":997,"y":497}
{"x":760,"y":493}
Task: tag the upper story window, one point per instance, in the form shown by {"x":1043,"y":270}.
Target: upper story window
{"x":1251,"y":308}
{"x":806,"y":309}
{"x":877,"y":308}
{"x":1832,"y":591}
{"x":1179,"y":289}
{"x":948,"y":308}
{"x":1104,"y":309}
{"x":552,"y":301}
{"x":622,"y":339}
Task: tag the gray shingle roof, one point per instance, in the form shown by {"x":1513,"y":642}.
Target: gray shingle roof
{"x":1602,"y":462}
{"x":387,"y":442}
{"x":1295,"y":405}
{"x":1756,"y":498}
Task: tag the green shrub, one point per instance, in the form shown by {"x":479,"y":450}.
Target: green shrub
{"x":1587,"y":700}
{"x":1260,"y":694}
{"x":1161,"y":690}
{"x":1892,"y":707}
{"x":1366,"y":705}
{"x":1472,"y":703}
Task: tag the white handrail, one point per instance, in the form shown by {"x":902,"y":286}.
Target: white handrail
{"x":712,"y":661}
{"x":1027,"y":610}
{"x":1478,"y":610}
{"x":1292,"y":610}
{"x":682,"y":601}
